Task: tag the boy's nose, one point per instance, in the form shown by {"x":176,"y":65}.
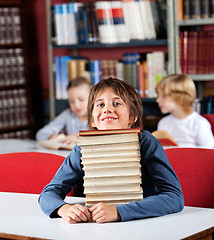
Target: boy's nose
{"x":108,"y":109}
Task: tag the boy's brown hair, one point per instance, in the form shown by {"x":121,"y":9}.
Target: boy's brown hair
{"x":122,"y":89}
{"x":181,"y":88}
{"x":76,"y":82}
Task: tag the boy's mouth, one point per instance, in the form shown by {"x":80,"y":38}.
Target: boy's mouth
{"x":108,"y":119}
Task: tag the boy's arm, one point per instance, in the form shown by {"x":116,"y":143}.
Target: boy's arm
{"x":69,"y":175}
{"x":54,"y":127}
{"x":162,"y":190}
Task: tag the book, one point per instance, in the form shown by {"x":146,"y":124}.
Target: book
{"x":164,"y":138}
{"x":111,"y":162}
{"x":108,"y":131}
{"x":56,"y":143}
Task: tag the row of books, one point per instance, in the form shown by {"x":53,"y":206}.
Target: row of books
{"x":13,"y":108}
{"x":106,"y":21}
{"x":196,"y":52}
{"x":112,"y":177}
{"x":195,"y":9}
{"x":140,"y":70}
{"x":10,"y":25}
{"x":12,"y":71}
{"x":21,"y":134}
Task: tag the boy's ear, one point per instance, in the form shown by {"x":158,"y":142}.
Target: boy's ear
{"x":92,"y":123}
{"x":133,"y":120}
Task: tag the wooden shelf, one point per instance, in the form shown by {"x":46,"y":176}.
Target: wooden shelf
{"x":154,"y":42}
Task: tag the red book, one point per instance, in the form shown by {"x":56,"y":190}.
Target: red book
{"x":164,"y":138}
{"x":108,"y":131}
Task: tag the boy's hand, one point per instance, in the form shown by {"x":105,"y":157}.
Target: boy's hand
{"x":74,"y":213}
{"x":70,"y":139}
{"x":102,"y":213}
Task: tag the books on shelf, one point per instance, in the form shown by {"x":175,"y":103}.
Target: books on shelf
{"x":14,"y":108}
{"x":66,"y":69}
{"x":10,"y":25}
{"x":111,"y":161}
{"x":107,"y":21}
{"x":195,"y":9}
{"x":65,"y":23}
{"x":196,"y":51}
{"x":55,"y":143}
{"x":12,"y":71}
{"x":164,"y":138}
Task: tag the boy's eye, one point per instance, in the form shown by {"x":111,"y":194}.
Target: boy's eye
{"x":117,"y":103}
{"x":100,"y":105}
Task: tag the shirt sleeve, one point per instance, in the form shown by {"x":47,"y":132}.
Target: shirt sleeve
{"x":205,"y":136}
{"x":69,"y":175}
{"x":54,"y":127}
{"x":161,"y":188}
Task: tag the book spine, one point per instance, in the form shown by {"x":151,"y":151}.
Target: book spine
{"x":186,"y":9}
{"x":58,"y":11}
{"x":64,"y":75}
{"x":105,"y":22}
{"x":204,"y":8}
{"x":71,"y":23}
{"x":121,"y":30}
{"x":195,"y":9}
{"x":211,"y":8}
{"x":58,"y":86}
{"x":95,"y":69}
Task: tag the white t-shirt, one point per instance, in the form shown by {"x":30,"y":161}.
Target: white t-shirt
{"x":191,"y":131}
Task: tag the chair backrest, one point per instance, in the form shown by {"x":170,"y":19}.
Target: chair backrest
{"x":27,"y":172}
{"x":195,"y":170}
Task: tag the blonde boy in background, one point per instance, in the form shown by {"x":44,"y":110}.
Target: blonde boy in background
{"x":176,"y":95}
{"x":72,"y":119}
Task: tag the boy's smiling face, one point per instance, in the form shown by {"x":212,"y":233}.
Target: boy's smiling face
{"x":110,"y":111}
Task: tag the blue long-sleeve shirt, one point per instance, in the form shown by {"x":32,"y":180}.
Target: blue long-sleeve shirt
{"x":161,"y":188}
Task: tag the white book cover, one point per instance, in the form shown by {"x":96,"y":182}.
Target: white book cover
{"x":114,"y":196}
{"x":151,"y":79}
{"x":133,"y":187}
{"x":134,"y":152}
{"x":108,"y":139}
{"x":105,"y":20}
{"x":100,"y":181}
{"x":133,"y":20}
{"x":150,"y":20}
{"x":121,"y":29}
{"x":71,"y":23}
{"x":113,"y":171}
{"x":113,"y":159}
{"x":112,"y":147}
{"x":110,"y":164}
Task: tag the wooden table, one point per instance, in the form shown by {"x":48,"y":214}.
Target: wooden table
{"x":22,"y":218}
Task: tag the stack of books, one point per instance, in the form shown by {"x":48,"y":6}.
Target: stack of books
{"x":111,"y":161}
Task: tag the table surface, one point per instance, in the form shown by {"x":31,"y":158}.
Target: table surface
{"x":21,"y":215}
{"x":26,"y":145}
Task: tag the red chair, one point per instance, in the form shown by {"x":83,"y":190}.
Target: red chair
{"x":195,"y":170}
{"x":27,"y":172}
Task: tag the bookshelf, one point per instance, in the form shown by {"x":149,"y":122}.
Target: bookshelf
{"x":15,"y":103}
{"x":91,"y":50}
{"x":176,"y":27}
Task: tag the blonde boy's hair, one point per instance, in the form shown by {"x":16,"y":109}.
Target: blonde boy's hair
{"x":181,"y":88}
{"x":123,"y":90}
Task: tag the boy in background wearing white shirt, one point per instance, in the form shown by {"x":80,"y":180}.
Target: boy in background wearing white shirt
{"x":176,"y":95}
